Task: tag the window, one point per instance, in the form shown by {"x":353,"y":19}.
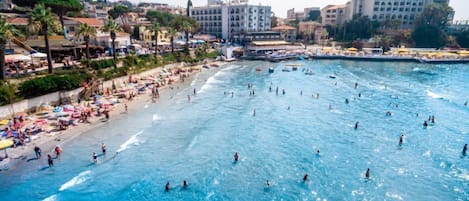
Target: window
{"x":402,"y":3}
{"x":401,"y":9}
{"x":407,"y":9}
{"x":388,"y":9}
{"x":407,"y":3}
{"x":376,"y":3}
{"x":413,"y":9}
{"x":375,"y":17}
{"x":376,"y":9}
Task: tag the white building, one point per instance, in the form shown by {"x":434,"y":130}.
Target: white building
{"x":225,"y":20}
{"x":404,"y":11}
{"x":292,"y":15}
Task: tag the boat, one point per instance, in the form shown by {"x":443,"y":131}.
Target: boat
{"x":271,"y":70}
{"x":286,"y":70}
{"x":258,"y":69}
{"x":332,"y":76}
{"x":205,"y":66}
{"x":295,"y":68}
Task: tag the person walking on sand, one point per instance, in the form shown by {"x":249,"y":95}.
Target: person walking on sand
{"x":49,"y":160}
{"x":125,"y":106}
{"x":189,"y":98}
{"x":58,"y":151}
{"x":37,"y":150}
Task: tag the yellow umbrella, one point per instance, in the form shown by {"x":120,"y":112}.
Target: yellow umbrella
{"x":4,"y":122}
{"x":352,"y":49}
{"x":5,"y":144}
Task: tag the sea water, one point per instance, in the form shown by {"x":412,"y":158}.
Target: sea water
{"x":174,"y":140}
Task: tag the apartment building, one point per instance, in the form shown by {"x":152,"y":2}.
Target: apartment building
{"x":225,"y":20}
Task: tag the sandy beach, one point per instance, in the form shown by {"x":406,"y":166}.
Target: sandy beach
{"x":48,"y":141}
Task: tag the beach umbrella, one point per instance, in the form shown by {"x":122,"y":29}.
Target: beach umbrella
{"x":4,"y":144}
{"x":352,"y":49}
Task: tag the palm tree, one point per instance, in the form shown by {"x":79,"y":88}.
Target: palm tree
{"x":42,"y":19}
{"x":187,"y":28}
{"x":156,"y":29}
{"x":87,"y":32}
{"x":7,"y":31}
{"x":171,"y":34}
{"x":112,"y":27}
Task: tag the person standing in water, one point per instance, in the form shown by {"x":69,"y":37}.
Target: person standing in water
{"x":301,"y":92}
{"x":401,"y":140}
{"x":232,"y":94}
{"x":356,"y":125}
{"x":276,"y":91}
{"x":254,"y":113}
{"x":125,"y":106}
{"x":356,"y":85}
{"x":103,"y":148}
{"x":236,"y":156}
{"x":195,"y":92}
{"x":184,"y":184}
{"x":464,"y":150}
{"x":49,"y":160}
{"x":189,"y":98}
{"x":425,"y":124}
{"x":58,"y":151}
{"x":270,"y":88}
{"x":283,"y":91}
{"x":95,"y":157}
{"x":367,"y":174}
{"x":267,"y":183}
{"x":167,"y":187}
{"x":305,"y":178}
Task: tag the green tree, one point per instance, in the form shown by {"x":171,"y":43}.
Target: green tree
{"x":360,"y":27}
{"x":7,"y":94}
{"x":428,"y":36}
{"x":171,"y":34}
{"x":86,"y":32}
{"x":156,"y":29}
{"x":112,"y":27}
{"x":436,"y":15}
{"x":313,"y":15}
{"x":42,"y":19}
{"x":163,"y":18}
{"x":463,"y":39}
{"x":7,"y":32}
{"x":185,"y":24}
{"x":273,"y":20}
{"x":25,"y":3}
{"x":62,"y":7}
{"x":119,"y":11}
{"x":136,"y":32}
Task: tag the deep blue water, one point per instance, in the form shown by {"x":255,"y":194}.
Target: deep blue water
{"x":174,"y":140}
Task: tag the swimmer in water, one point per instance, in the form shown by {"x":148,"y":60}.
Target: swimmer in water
{"x":356,"y":125}
{"x":317,"y":95}
{"x":317,"y":152}
{"x":425,"y":124}
{"x":359,"y":95}
{"x":388,"y":113}
{"x":288,"y":108}
{"x":305,"y":178}
{"x":301,"y":92}
{"x":346,"y":101}
{"x":254,"y":112}
{"x":95,"y":157}
{"x":367,"y":174}
{"x":276,"y":91}
{"x":270,"y":88}
{"x":103,"y":148}
{"x":267,"y":183}
{"x":184,"y":184}
{"x":356,"y":85}
{"x":167,"y":187}
{"x":464,"y":150}
{"x":401,"y":140}
{"x":283,"y":91}
{"x":465,"y":103}
{"x":232,"y":94}
{"x":236,"y":156}
{"x":330,"y":107}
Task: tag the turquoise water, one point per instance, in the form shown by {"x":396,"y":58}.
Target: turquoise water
{"x":175,"y":140}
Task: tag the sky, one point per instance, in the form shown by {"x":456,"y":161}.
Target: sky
{"x":280,"y":7}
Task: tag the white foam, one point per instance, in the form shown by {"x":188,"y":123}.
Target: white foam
{"x":434,"y":95}
{"x":51,"y":198}
{"x":146,"y":106}
{"x":192,"y":143}
{"x":80,"y":178}
{"x":394,"y":196}
{"x":156,"y":117}
{"x":211,"y":81}
{"x":427,"y":153}
{"x":132,"y":140}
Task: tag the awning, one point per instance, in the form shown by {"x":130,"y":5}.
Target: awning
{"x":402,"y":50}
{"x":260,"y":43}
{"x":16,"y":57}
{"x":463,"y":52}
{"x":38,"y":55}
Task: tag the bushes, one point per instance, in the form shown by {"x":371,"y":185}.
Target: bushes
{"x":114,"y":73}
{"x":7,"y":93}
{"x":101,"y":64}
{"x":52,"y":83}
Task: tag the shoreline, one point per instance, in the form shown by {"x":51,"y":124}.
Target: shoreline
{"x":19,"y":156}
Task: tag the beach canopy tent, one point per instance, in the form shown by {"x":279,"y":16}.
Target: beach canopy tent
{"x":352,"y":49}
{"x":38,"y":55}
{"x":4,"y":144}
{"x":401,"y":50}
{"x":16,"y":57}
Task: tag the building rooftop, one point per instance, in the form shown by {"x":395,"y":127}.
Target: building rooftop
{"x":18,"y":21}
{"x":94,"y":22}
{"x":283,"y":27}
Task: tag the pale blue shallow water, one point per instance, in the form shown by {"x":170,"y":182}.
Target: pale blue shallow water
{"x":175,"y":141}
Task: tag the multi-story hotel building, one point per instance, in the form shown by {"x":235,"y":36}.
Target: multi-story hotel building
{"x":225,"y":20}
